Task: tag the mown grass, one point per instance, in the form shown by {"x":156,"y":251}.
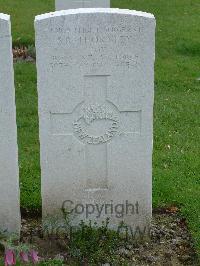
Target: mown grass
{"x":176,"y":175}
{"x":28,"y":140}
{"x":22,"y":14}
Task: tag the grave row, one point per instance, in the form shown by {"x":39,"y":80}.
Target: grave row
{"x":95,"y":72}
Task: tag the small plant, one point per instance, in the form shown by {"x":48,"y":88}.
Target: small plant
{"x":52,"y":262}
{"x":12,"y":257}
{"x":18,"y":252}
{"x":31,"y":51}
{"x":92,"y":244}
{"x":87,"y":243}
{"x":53,"y":227}
{"x":3,"y":238}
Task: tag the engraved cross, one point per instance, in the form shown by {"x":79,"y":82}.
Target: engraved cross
{"x":95,"y":122}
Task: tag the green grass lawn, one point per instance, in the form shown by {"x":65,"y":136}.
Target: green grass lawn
{"x":176,"y":174}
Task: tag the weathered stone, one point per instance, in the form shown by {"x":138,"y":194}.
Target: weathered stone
{"x":9,"y":174}
{"x":70,"y":4}
{"x":96,"y":85}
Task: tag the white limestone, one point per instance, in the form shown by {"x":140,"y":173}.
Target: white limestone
{"x":9,"y":176}
{"x":96,"y":88}
{"x":70,"y":4}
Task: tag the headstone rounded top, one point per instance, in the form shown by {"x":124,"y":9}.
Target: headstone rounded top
{"x":5,"y":27}
{"x":4,"y":17}
{"x":93,"y":11}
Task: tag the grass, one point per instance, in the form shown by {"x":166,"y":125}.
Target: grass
{"x":28,"y":140}
{"x":176,"y":175}
{"x":22,"y":14}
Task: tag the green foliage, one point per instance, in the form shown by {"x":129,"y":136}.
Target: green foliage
{"x":31,"y":51}
{"x":93,"y":244}
{"x":3,"y":238}
{"x":11,"y":242}
{"x":88,"y":242}
{"x":56,"y":227}
{"x":23,"y":13}
{"x":52,"y":262}
{"x":28,"y":140}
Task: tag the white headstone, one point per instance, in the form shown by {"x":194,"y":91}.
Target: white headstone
{"x":70,"y":4}
{"x":9,"y":176}
{"x":96,"y":88}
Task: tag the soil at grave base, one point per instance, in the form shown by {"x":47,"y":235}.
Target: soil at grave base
{"x":170,"y":244}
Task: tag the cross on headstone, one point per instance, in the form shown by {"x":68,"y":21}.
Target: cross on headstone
{"x":86,"y":124}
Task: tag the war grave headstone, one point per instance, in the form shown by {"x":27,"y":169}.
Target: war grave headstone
{"x":9,"y":173}
{"x":96,"y":92}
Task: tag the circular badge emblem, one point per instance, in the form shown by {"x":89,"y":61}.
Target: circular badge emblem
{"x":96,"y":124}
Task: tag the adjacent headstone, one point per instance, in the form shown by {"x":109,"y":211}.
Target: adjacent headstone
{"x":9,"y":176}
{"x":96,"y":89}
{"x":70,"y":4}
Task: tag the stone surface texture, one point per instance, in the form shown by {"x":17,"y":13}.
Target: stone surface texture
{"x":9,"y":173}
{"x":96,"y":92}
{"x":70,"y":4}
